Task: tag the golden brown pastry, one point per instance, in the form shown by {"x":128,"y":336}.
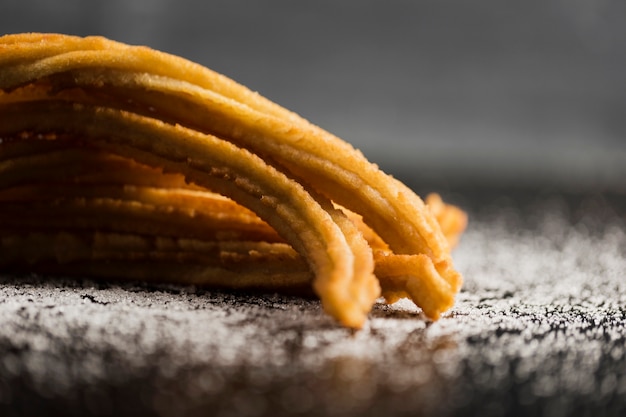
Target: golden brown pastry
{"x":130,"y":141}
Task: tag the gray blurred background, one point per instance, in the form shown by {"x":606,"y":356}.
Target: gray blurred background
{"x":436,"y":92}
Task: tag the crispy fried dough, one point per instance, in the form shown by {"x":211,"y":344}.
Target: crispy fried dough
{"x":153,"y":134}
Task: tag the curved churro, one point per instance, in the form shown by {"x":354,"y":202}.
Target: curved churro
{"x":170,"y":123}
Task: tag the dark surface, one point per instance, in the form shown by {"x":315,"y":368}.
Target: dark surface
{"x":539,"y":329}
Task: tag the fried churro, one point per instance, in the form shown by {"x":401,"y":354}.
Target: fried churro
{"x":130,"y":141}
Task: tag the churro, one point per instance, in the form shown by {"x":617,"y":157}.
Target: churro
{"x":128,"y":140}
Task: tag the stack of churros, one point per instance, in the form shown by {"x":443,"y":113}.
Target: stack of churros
{"x":120,"y":161}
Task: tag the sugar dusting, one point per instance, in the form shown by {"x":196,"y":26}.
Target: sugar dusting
{"x":539,"y":328}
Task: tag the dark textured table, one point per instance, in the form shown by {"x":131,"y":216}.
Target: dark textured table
{"x":539,"y":329}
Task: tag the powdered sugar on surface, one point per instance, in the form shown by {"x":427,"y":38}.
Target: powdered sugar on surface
{"x":539,"y":328}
